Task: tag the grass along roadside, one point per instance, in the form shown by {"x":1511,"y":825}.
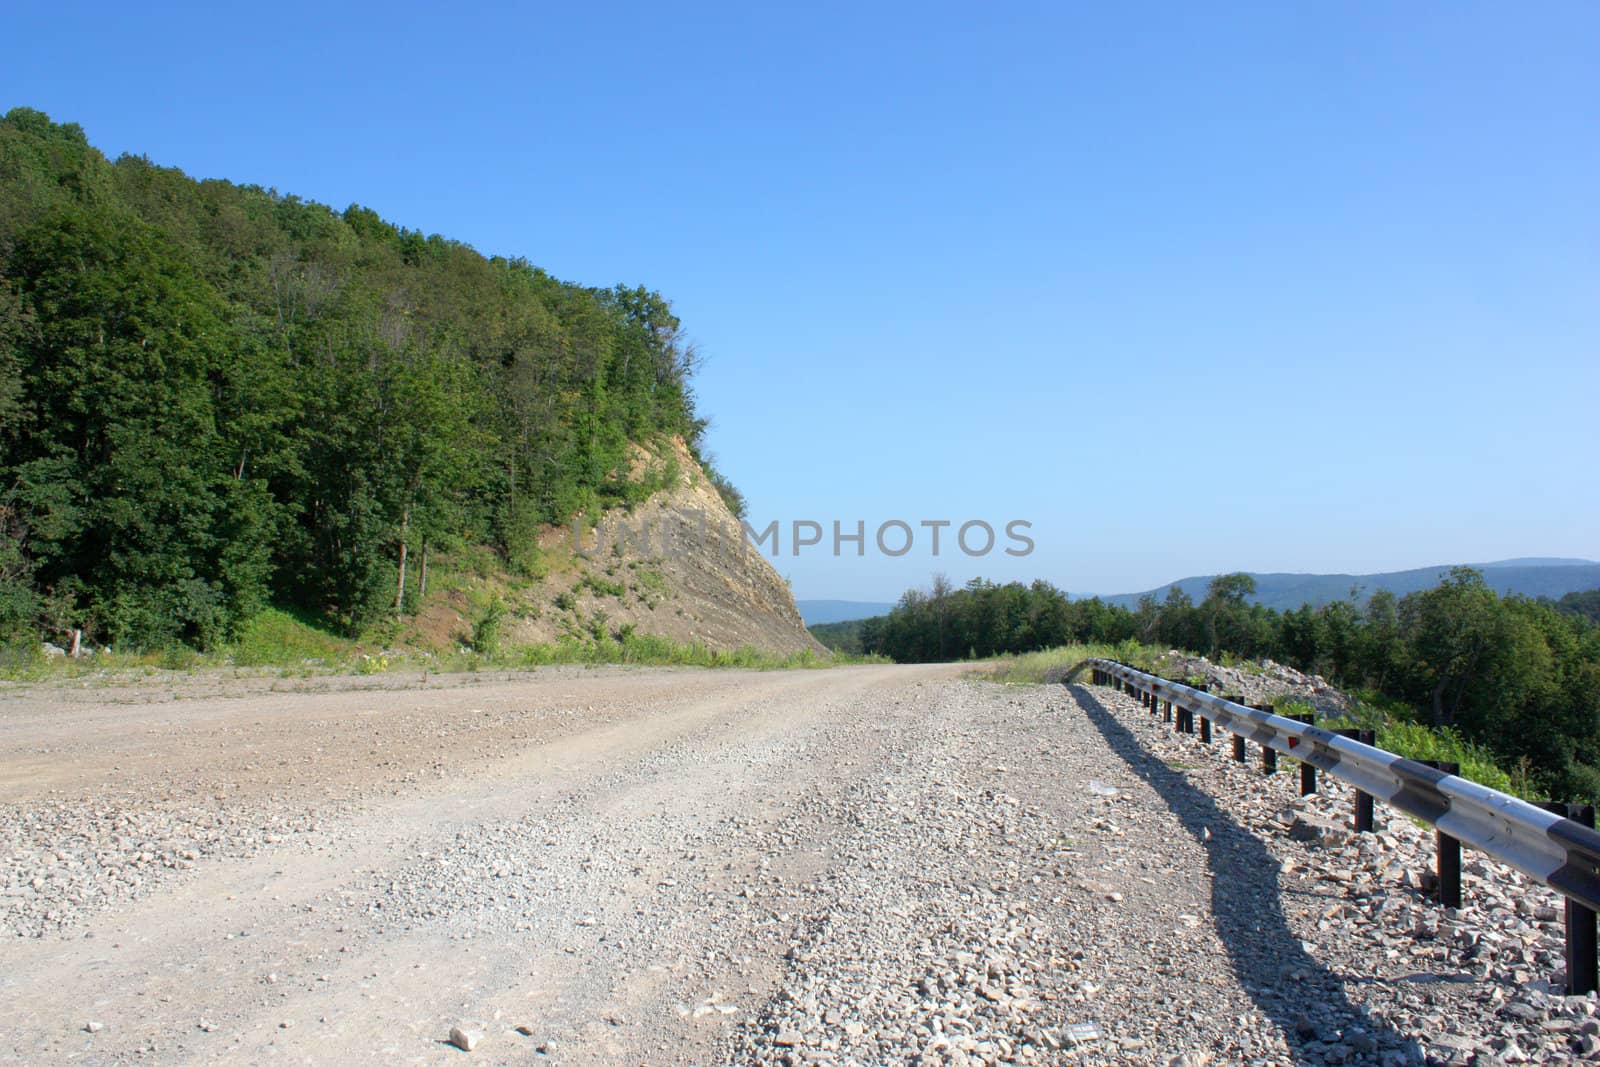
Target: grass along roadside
{"x":276,"y":642}
{"x":1051,"y":665}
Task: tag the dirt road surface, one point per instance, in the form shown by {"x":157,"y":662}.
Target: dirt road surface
{"x":856,"y":865}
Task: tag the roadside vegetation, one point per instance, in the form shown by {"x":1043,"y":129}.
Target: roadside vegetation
{"x":1507,"y":686}
{"x":276,"y":642}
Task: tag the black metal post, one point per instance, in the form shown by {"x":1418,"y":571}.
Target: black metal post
{"x":1583,"y":960}
{"x":1363,"y":812}
{"x":1449,"y":863}
{"x":1269,"y":755}
{"x":1238,"y":748}
{"x":1308,"y":773}
{"x":1205,"y":730}
{"x":1449,"y":870}
{"x":1363,"y":799}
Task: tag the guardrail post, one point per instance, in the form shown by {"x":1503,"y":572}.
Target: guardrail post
{"x":1363,"y":799}
{"x":1205,"y":730}
{"x":1238,"y":747}
{"x":1583,"y":961}
{"x":1449,"y":870}
{"x":1166,"y":716}
{"x":1308,"y":773}
{"x":1269,"y":755}
{"x":1449,"y":863}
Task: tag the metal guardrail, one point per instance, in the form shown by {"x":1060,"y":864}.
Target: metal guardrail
{"x":1559,"y":852}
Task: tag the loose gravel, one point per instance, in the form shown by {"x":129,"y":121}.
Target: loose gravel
{"x":861,"y":866}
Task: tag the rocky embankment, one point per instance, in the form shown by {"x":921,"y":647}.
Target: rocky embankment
{"x":1258,"y":682}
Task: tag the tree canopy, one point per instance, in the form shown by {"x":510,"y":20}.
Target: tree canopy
{"x":1518,"y":675}
{"x":213,"y":396}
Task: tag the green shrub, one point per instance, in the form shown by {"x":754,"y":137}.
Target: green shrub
{"x":1420,"y":742}
{"x":277,"y":638}
{"x":486,"y":629}
{"x":602,"y":587}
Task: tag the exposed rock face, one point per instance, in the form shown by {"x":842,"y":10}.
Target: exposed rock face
{"x":677,"y":566}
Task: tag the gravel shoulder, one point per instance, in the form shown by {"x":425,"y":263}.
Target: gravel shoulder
{"x":858,"y":865}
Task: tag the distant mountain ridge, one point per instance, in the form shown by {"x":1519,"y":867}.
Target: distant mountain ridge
{"x":820,"y":611}
{"x":1530,"y":576}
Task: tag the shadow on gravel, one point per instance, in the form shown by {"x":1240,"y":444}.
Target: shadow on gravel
{"x":1314,"y":1011}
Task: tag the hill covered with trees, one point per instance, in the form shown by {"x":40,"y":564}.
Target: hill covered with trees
{"x":1518,"y":675}
{"x":214,"y":397}
{"x":1534,"y":577}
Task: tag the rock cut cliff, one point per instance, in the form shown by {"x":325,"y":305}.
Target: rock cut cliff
{"x":676,"y":566}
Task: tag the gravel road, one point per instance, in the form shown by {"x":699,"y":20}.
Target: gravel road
{"x":857,"y":865}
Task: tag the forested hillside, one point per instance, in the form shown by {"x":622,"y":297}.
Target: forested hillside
{"x":1518,"y":675}
{"x":214,"y":397}
{"x":1533,"y":577}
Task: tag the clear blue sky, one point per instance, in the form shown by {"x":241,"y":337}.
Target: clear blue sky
{"x":1324,"y":276}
